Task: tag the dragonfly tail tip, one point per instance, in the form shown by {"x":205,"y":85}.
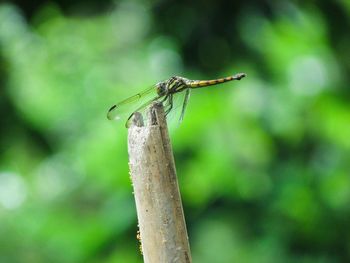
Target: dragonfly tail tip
{"x":240,"y":76}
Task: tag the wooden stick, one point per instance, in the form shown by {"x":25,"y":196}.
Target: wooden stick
{"x":158,"y":201}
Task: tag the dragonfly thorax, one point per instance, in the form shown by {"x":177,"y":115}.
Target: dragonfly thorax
{"x":176,"y":84}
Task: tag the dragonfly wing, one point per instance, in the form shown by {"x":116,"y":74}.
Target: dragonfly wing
{"x":176,"y":112}
{"x":129,"y":104}
{"x":184,"y":105}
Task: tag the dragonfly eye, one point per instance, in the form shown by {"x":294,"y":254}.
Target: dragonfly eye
{"x":161,"y":89}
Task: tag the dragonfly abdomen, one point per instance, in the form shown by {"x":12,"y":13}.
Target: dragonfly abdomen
{"x":203,"y":83}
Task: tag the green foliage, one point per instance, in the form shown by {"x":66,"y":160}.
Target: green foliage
{"x":263,"y":163}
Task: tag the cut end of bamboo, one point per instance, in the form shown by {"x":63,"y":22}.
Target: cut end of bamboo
{"x":154,"y":116}
{"x":137,"y":120}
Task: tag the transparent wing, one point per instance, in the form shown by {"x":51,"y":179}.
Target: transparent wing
{"x":184,"y":105}
{"x":130,"y":104}
{"x":177,"y":112}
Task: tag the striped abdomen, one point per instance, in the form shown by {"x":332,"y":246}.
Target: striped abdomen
{"x":203,"y":83}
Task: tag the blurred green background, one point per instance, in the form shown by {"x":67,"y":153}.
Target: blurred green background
{"x":263,"y":164}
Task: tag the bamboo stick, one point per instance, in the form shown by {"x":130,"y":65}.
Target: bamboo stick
{"x":158,"y":202}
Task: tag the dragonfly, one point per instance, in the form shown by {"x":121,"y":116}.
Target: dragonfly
{"x":164,"y":92}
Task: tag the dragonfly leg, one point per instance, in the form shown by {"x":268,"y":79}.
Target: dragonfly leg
{"x":164,"y":99}
{"x":170,"y":103}
{"x":169,"y":99}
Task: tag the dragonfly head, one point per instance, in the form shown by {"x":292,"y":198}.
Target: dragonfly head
{"x":162,"y":88}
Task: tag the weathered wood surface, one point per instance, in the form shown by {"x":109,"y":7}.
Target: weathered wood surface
{"x":158,"y":202}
